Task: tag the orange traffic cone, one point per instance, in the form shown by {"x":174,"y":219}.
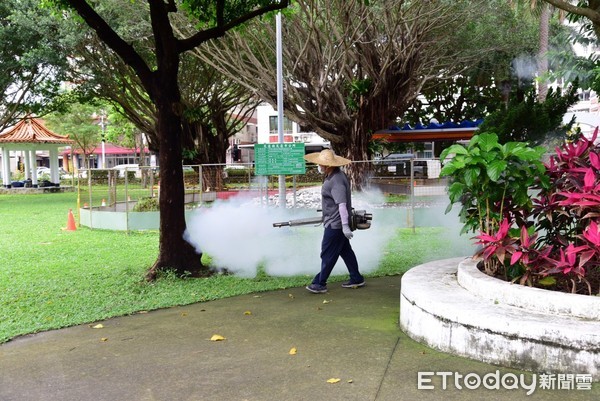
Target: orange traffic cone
{"x":71,"y":222}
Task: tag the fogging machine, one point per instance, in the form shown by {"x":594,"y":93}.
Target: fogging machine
{"x":359,"y":220}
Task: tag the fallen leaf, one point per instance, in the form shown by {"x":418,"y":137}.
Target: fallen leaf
{"x":184,"y":314}
{"x":326,"y":301}
{"x":217,"y":337}
{"x":293,"y":351}
{"x":291,"y":295}
{"x":333,"y":381}
{"x":257,"y":296}
{"x":247,"y":312}
{"x":104,"y":339}
{"x":350,"y":381}
{"x":98,"y":326}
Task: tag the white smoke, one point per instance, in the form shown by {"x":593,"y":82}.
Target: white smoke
{"x":239,"y":236}
{"x":525,"y":67}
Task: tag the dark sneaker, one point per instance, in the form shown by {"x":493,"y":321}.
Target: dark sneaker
{"x":350,"y":284}
{"x":317,"y":289}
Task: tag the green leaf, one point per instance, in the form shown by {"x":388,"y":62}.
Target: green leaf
{"x":448,"y":169}
{"x":495,"y":169}
{"x":456,"y":149}
{"x":459,"y":161}
{"x":455,"y":191}
{"x":471,"y":175}
{"x":510,"y":147}
{"x":492,"y":155}
{"x":547,"y":281}
{"x":544,"y":181}
{"x":474,"y":141}
{"x":488,"y":141}
{"x":514,"y":232}
{"x":526,"y":154}
{"x":477,"y":160}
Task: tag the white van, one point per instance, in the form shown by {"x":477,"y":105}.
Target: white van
{"x":128,"y":167}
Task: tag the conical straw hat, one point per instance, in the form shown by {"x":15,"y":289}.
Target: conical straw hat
{"x":326,"y":157}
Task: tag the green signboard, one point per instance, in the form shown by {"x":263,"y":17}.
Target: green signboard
{"x":279,"y":158}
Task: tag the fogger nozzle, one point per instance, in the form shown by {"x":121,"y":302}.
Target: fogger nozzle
{"x":299,"y":222}
{"x":359,"y":220}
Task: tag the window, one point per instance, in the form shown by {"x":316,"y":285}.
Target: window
{"x":287,"y":125}
{"x":427,"y":152}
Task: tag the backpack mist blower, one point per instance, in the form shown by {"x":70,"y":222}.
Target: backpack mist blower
{"x":359,"y":220}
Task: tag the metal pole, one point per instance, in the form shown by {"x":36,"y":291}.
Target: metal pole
{"x":103,"y":124}
{"x":280,"y":104}
{"x":412,"y":194}
{"x":126,"y":202}
{"x":294,"y":183}
{"x":89,"y":180}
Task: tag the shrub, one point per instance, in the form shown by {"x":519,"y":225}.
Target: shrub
{"x":238,"y":175}
{"x":491,"y":181}
{"x":99,"y":175}
{"x":550,"y":240}
{"x":239,"y":172}
{"x":146,"y":205}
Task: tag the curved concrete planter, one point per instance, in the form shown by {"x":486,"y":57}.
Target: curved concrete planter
{"x":99,"y":218}
{"x":453,"y":307}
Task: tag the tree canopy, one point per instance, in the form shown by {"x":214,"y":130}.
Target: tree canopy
{"x":159,"y":76}
{"x":589,"y":9}
{"x":350,"y":67}
{"x":32,"y":60}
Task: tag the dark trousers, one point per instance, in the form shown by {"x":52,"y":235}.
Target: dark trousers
{"x":334,"y":245}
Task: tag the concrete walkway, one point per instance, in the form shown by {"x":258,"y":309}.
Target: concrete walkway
{"x":347,"y":334}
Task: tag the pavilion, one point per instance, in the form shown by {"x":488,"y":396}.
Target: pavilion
{"x":28,"y":136}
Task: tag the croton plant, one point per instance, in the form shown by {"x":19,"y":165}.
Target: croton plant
{"x":536,"y":223}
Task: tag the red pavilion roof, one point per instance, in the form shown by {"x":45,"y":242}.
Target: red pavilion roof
{"x":31,"y":130}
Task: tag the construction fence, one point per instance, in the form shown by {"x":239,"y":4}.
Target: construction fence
{"x":409,"y":184}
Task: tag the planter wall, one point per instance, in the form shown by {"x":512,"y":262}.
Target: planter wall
{"x":122,"y":220}
{"x":451,"y":306}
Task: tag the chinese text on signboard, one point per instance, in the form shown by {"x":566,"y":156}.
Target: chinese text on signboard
{"x":279,"y":158}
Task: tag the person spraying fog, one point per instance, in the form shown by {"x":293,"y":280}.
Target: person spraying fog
{"x":336,"y":204}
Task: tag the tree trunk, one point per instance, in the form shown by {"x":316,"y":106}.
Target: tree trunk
{"x":212,"y":151}
{"x":542,"y":59}
{"x":356,"y":149}
{"x":174,"y":252}
{"x":216,"y":146}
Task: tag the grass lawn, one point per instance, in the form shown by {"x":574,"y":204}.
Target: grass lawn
{"x":51,"y":278}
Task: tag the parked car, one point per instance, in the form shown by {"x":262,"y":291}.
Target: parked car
{"x":121,"y":168}
{"x":399,"y":164}
{"x":43,"y":170}
{"x":394,"y":158}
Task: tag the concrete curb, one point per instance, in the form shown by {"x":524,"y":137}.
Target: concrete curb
{"x":436,"y":310}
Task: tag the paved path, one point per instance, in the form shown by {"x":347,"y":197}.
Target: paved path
{"x":350,"y":335}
